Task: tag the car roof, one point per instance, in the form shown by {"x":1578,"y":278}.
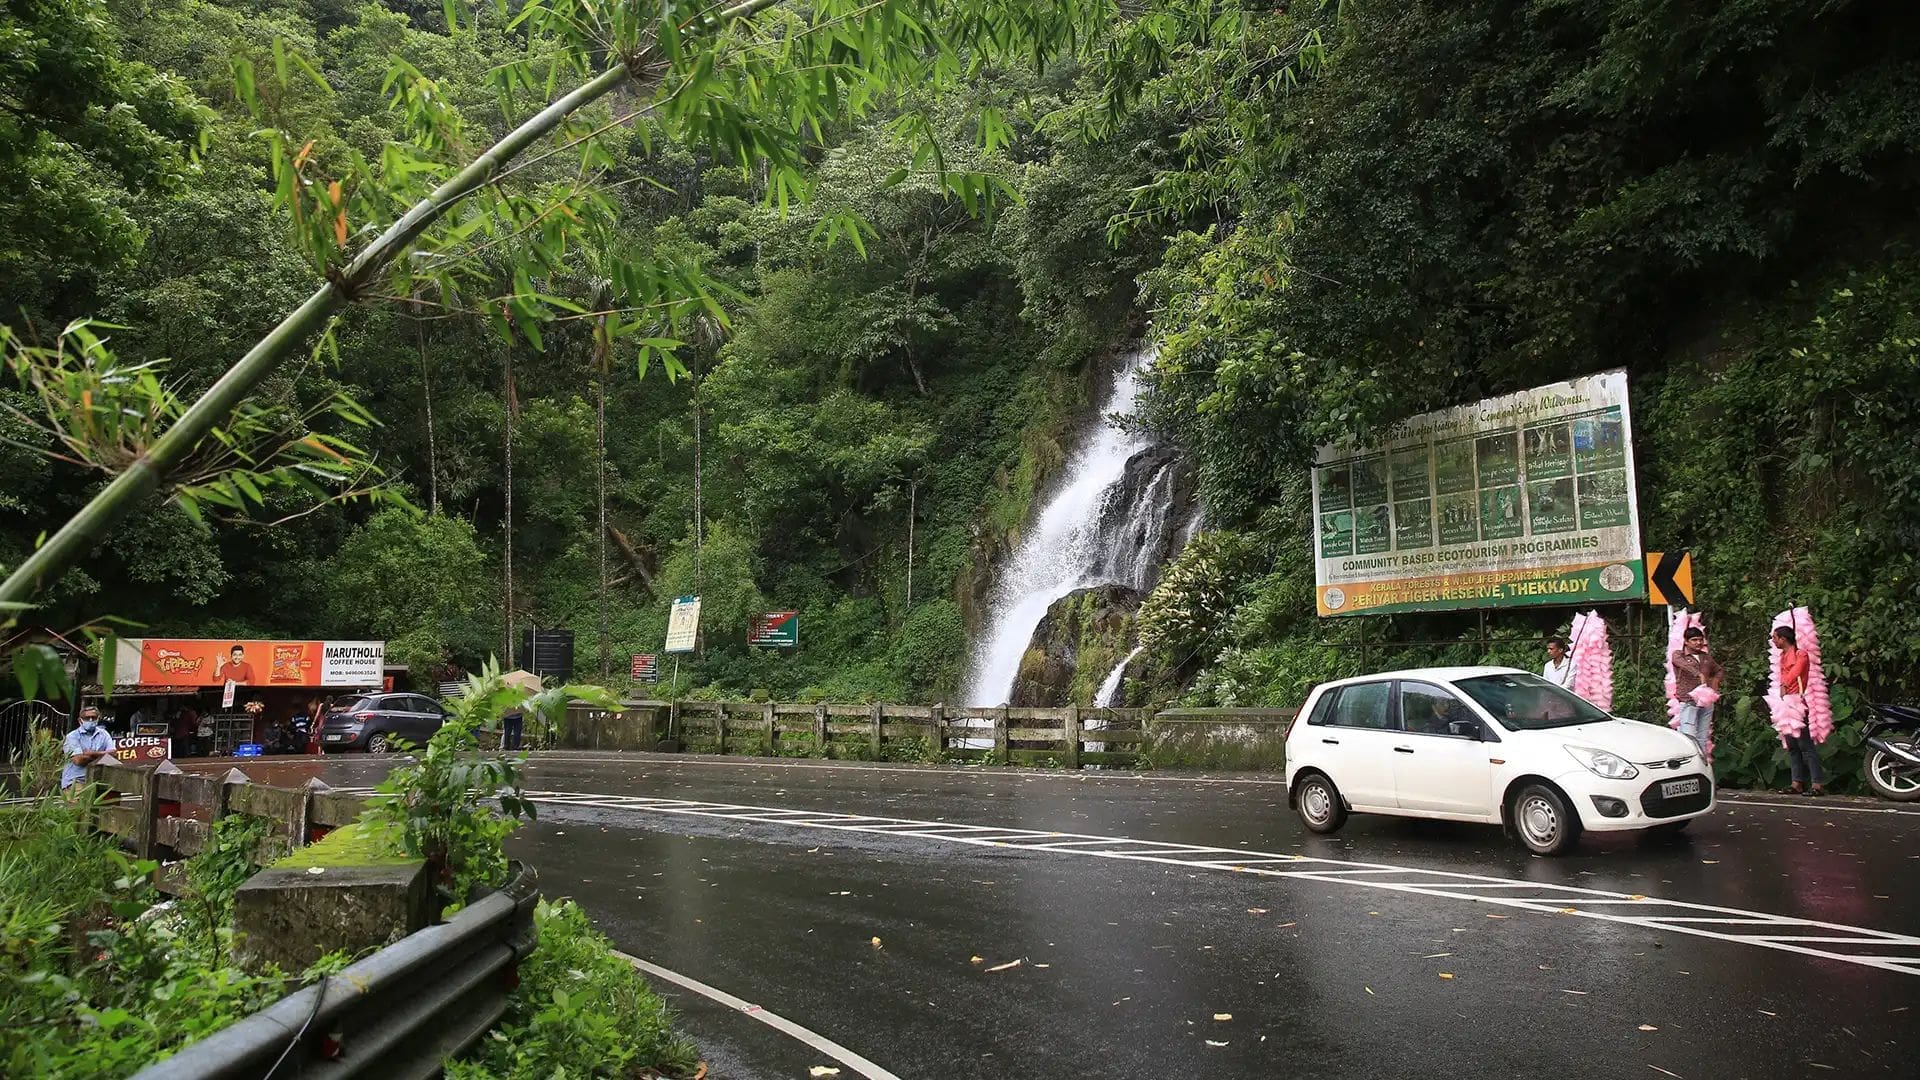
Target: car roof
{"x":1431,"y":674}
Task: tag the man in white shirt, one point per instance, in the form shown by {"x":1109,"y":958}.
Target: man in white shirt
{"x":1559,"y":668}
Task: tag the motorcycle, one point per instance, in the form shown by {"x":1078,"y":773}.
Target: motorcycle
{"x":1893,"y":752}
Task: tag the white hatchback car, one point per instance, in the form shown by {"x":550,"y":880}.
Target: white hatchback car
{"x":1492,"y":745}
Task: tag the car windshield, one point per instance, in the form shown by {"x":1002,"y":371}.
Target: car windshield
{"x":1530,"y":703}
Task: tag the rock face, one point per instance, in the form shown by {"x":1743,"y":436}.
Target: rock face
{"x":1143,"y":517}
{"x":1083,"y":635}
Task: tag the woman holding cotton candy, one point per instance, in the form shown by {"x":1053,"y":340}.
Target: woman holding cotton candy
{"x":1793,"y":714}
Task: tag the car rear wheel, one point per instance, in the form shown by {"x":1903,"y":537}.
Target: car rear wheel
{"x":1319,"y":805}
{"x":380,"y":743}
{"x":1543,"y":819}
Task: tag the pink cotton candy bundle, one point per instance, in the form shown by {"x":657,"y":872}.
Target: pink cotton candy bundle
{"x":1704,"y":695}
{"x":1815,"y":707}
{"x":1676,"y":638}
{"x":1592,"y":660}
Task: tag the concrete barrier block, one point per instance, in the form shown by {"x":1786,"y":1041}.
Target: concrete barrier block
{"x":292,"y":916}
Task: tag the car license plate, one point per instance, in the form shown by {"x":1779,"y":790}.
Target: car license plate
{"x":335,"y":737}
{"x":1673,"y":789}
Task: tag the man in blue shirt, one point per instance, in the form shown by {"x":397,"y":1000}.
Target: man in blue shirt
{"x":85,"y":745}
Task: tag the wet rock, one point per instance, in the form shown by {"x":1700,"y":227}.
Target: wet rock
{"x":1083,"y":635}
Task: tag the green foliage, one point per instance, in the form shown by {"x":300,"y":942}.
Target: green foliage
{"x":421,"y":583}
{"x":83,"y":132}
{"x":438,"y":805}
{"x":580,"y":1010}
{"x":232,"y":853}
{"x":94,"y":980}
{"x":102,"y":414}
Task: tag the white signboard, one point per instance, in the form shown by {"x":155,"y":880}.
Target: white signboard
{"x":353,"y":663}
{"x":683,"y":624}
{"x":1523,"y":499}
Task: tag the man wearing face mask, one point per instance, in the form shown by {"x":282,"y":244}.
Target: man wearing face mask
{"x":85,"y":745}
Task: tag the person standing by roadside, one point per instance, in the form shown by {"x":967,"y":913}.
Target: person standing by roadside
{"x":1559,"y":666}
{"x":87,"y":743}
{"x":1803,"y":753}
{"x":1693,"y":667}
{"x":511,"y":722}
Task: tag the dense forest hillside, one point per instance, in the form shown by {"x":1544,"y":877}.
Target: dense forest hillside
{"x":1330,"y":216}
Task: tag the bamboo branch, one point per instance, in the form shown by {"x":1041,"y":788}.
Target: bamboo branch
{"x":145,"y":475}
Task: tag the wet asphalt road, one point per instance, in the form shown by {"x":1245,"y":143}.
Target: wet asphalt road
{"x":1125,"y":964}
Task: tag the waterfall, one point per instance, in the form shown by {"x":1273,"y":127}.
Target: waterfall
{"x":1110,"y":687}
{"x":1071,"y":543}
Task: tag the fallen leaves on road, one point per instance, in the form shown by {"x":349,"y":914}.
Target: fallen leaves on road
{"x":1211,"y":1042}
{"x":1709,"y":862}
{"x":1043,"y":965}
{"x":1764,"y":1012}
{"x":1446,"y":974}
{"x":1256,"y":911}
{"x":1648,"y":1027}
{"x":822,"y":1070}
{"x":1435,"y":956}
{"x":876,"y":943}
{"x":1576,"y":993}
{"x":1369,"y":991}
{"x":1284,"y":925}
{"x":1663,"y":1072}
{"x":1008,"y":964}
{"x":1223,"y":1016}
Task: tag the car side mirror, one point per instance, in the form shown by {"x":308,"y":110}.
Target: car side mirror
{"x":1466,"y":729}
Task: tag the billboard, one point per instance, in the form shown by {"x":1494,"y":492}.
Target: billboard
{"x":1523,"y":499}
{"x":683,"y":625}
{"x":775,"y":630}
{"x":186,"y":662}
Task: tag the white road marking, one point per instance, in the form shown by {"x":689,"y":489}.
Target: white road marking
{"x":1815,"y":804}
{"x":1899,"y":952}
{"x":773,"y":1020}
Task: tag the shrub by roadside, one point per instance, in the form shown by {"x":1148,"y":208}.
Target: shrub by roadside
{"x":581,"y":1011}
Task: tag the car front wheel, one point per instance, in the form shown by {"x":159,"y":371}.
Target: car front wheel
{"x":1543,"y":819}
{"x":1318,"y":802}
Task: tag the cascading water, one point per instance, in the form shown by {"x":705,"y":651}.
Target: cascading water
{"x":1074,"y":541}
{"x":1110,"y":687}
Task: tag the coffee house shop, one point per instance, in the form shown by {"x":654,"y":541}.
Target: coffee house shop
{"x":219,"y":696}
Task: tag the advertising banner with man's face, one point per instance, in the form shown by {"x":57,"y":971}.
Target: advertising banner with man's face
{"x":186,"y":662}
{"x":1523,"y":499}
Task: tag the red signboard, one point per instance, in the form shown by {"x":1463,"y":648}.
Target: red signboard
{"x":219,"y":662}
{"x":646,"y":667}
{"x":142,"y":749}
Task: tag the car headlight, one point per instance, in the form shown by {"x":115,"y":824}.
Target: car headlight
{"x":1603,"y":763}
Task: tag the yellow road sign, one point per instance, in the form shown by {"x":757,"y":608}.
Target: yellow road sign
{"x":1670,"y":578}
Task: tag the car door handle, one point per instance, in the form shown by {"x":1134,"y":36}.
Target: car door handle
{"x":1331,"y":742}
{"x":1403,"y":749}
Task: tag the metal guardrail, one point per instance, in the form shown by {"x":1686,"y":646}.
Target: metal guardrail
{"x":401,"y":1012}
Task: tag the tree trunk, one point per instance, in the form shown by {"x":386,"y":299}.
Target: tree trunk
{"x":601,"y":347}
{"x":513,"y":414}
{"x":426,"y":391}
